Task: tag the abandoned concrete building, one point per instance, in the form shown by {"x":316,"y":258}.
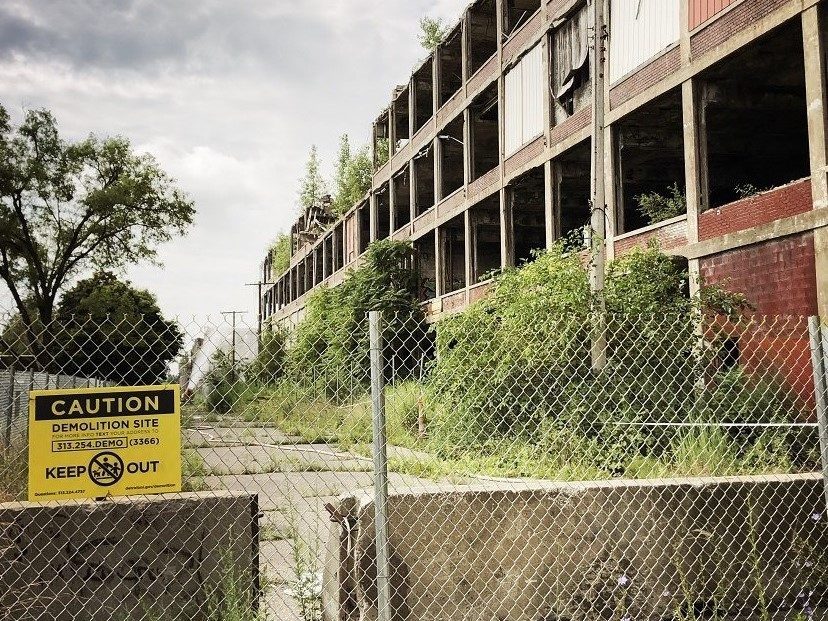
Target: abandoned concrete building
{"x":489,"y":149}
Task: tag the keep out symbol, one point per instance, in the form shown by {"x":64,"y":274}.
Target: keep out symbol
{"x":106,"y":469}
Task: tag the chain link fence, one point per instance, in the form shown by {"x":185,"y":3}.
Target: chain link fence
{"x":596,"y":466}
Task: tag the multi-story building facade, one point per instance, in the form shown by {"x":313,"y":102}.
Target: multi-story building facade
{"x":489,"y":148}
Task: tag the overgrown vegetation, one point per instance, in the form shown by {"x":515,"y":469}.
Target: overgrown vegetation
{"x":280,"y":254}
{"x":432,"y":32}
{"x":352,"y":177}
{"x":657,"y":207}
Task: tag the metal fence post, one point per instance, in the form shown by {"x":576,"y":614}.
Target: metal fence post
{"x":10,"y":409}
{"x":820,"y":393}
{"x":380,"y":467}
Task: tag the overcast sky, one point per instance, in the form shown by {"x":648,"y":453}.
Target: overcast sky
{"x":228,"y":95}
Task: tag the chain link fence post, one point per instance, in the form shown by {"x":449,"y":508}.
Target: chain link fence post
{"x":815,"y":332}
{"x":380,"y":466}
{"x":10,"y":408}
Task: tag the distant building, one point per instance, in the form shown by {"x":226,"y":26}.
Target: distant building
{"x":489,"y":150}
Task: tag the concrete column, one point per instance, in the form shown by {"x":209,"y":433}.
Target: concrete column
{"x":439,"y":276}
{"x":392,"y":128}
{"x":612,"y":180}
{"x":392,"y":212}
{"x":373,"y":222}
{"x":436,"y":79}
{"x":695,"y":167}
{"x":814,"y":46}
{"x":547,"y":92}
{"x":412,"y":190}
{"x":507,"y":232}
{"x":325,"y":271}
{"x":467,"y":149}
{"x":314,"y":259}
{"x":549,"y":191}
{"x":468,"y":250}
{"x":464,"y":50}
{"x":684,"y":33}
{"x":438,"y":170}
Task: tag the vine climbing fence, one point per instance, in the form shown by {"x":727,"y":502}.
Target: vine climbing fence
{"x":486,"y":466}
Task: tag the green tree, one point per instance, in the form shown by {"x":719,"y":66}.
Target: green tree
{"x":312,"y":186}
{"x":280,"y":254}
{"x":68,"y":206}
{"x":353,"y":176}
{"x":432,"y":32}
{"x":113,"y":331}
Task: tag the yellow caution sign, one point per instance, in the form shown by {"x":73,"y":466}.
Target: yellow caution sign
{"x":94,"y":442}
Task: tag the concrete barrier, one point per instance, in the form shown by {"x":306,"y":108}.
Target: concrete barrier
{"x":545,"y":551}
{"x":155,"y":557}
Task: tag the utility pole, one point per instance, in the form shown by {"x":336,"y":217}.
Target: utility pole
{"x":598,"y":195}
{"x":233,"y":342}
{"x":259,"y":285}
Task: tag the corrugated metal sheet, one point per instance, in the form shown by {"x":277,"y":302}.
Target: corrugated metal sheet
{"x":702,"y":10}
{"x":523,"y":106}
{"x":640,"y":30}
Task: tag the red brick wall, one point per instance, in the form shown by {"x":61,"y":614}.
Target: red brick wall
{"x":645,"y":77}
{"x":702,"y":10}
{"x":778,"y":276}
{"x":525,"y":155}
{"x":782,"y":202}
{"x":735,"y":20}
{"x":672,"y":235}
{"x":573,"y":124}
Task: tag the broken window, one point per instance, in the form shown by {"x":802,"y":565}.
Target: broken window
{"x":571,"y":176}
{"x":424,"y":180}
{"x":527,"y":198}
{"x":381,"y":145}
{"x":517,"y":12}
{"x":401,"y":135}
{"x":754,"y":110}
{"x":383,"y":212}
{"x":451,"y":157}
{"x":481,"y":24}
{"x":452,"y":237}
{"x":571,"y":87}
{"x":424,"y":252}
{"x":450,"y":57}
{"x":484,"y":220}
{"x":423,"y":84}
{"x":484,"y":132}
{"x":402,"y":198}
{"x":650,"y":163}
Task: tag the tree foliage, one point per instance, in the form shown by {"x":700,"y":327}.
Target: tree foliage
{"x":353,"y":176}
{"x":280,"y":253}
{"x":432,"y":32}
{"x":657,"y":207}
{"x":113,"y":331}
{"x":330,"y":345}
{"x":68,"y":206}
{"x":312,"y":186}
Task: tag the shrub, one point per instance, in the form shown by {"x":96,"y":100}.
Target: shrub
{"x":657,"y":207}
{"x":269,"y":365}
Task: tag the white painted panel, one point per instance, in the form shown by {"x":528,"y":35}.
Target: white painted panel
{"x":513,"y":109}
{"x":533,"y":90}
{"x":640,"y":30}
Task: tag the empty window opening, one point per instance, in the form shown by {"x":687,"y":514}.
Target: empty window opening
{"x":302,"y":286}
{"x":423,"y":84}
{"x":308,"y":262}
{"x":451,"y":157}
{"x":402,"y":199}
{"x":571,"y":178}
{"x":756,"y":118}
{"x":481,"y":24}
{"x":484,"y":132}
{"x":364,"y":227}
{"x":650,"y":160}
{"x":450,"y":57}
{"x":424,"y":180}
{"x":571,"y":79}
{"x":328,"y":256}
{"x":484,"y":220}
{"x":338,"y":248}
{"x":526,"y":195}
{"x":401,"y":135}
{"x":383,"y":212}
{"x":424,"y":253}
{"x":452,"y":237}
{"x":318,"y":277}
{"x":381,"y":146}
{"x":516,"y":13}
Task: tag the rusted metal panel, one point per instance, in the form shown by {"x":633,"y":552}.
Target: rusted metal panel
{"x":640,"y":30}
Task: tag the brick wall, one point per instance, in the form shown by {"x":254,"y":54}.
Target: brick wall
{"x":573,"y":124}
{"x":782,"y":202}
{"x":524,"y":156}
{"x":526,"y":33}
{"x":645,"y":77}
{"x":673,"y":235}
{"x":702,"y":10}
{"x":778,"y":276}
{"x":735,"y":20}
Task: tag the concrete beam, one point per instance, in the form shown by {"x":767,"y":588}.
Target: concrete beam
{"x":507,"y":231}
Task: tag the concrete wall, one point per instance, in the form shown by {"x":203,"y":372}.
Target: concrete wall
{"x":167,"y":555}
{"x":541,"y":550}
